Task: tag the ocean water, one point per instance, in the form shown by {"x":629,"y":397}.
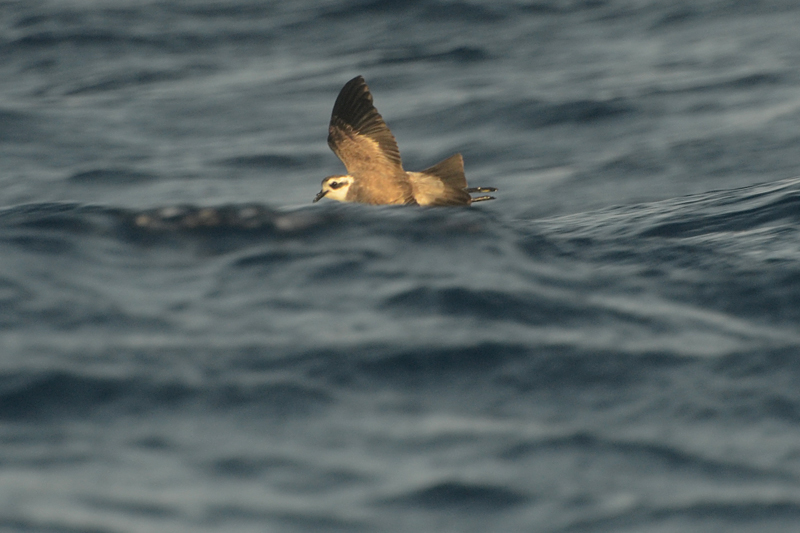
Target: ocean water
{"x":189,"y":345}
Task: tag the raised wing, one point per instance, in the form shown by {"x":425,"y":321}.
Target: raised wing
{"x":360,"y":138}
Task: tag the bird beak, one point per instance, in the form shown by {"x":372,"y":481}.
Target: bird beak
{"x":319,"y":196}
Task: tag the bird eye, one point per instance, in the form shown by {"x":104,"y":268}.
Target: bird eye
{"x":334,"y":185}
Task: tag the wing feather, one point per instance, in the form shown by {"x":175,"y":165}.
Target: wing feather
{"x":360,"y":138}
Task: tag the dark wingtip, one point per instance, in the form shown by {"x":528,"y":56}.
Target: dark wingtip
{"x":354,"y":111}
{"x":347,"y":105}
{"x":358,"y":80}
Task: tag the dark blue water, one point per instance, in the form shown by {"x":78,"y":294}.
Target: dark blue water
{"x":189,"y":345}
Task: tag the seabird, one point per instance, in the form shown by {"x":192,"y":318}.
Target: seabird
{"x":361,"y":139}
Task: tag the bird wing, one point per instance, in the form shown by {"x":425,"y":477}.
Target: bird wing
{"x":361,"y":139}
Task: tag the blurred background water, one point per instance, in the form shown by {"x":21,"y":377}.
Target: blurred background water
{"x":611,"y":345}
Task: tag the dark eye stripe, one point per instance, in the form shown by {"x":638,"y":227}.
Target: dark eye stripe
{"x":335,"y":185}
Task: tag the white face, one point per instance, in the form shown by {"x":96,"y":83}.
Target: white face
{"x":335,"y":188}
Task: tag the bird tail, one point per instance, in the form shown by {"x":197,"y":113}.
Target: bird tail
{"x":450,"y":171}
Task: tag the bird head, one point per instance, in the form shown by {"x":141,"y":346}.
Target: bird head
{"x":335,"y":188}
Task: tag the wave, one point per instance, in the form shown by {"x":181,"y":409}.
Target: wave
{"x":779,"y":513}
{"x":527,"y":114}
{"x":50,"y":395}
{"x":657,"y":455}
{"x":709,"y":274}
{"x":728,"y":210}
{"x":458,"y":495}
